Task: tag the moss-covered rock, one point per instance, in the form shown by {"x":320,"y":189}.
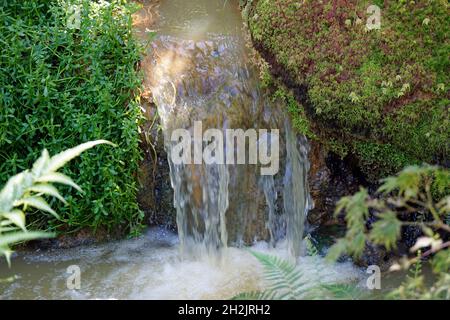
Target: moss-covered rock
{"x":378,"y":96}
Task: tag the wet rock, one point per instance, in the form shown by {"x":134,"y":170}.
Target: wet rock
{"x":375,"y":255}
{"x":82,"y":237}
{"x":330,"y":178}
{"x":155,"y":195}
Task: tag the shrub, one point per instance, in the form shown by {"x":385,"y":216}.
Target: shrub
{"x":62,"y":85}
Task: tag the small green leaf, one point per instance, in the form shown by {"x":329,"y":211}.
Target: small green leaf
{"x":389,"y":185}
{"x":358,"y":244}
{"x":5,"y":228}
{"x":38,"y":203}
{"x":17,"y":217}
{"x":6,"y":252}
{"x":441,"y":262}
{"x":48,"y":189}
{"x":59,"y":160}
{"x":386,"y":231}
{"x":14,"y":190}
{"x":57,"y":177}
{"x":41,"y":163}
{"x":336,"y":250}
{"x":11,"y":238}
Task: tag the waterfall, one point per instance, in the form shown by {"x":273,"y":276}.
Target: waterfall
{"x":227,"y":204}
{"x":296,"y":192}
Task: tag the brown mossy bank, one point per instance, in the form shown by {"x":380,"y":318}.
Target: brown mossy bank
{"x":379,"y":98}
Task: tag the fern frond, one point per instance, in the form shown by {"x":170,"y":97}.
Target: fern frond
{"x":256,"y":295}
{"x":415,"y":270}
{"x":341,"y":291}
{"x":283,"y":276}
{"x":26,"y":190}
{"x":287,"y":282}
{"x":310,"y":247}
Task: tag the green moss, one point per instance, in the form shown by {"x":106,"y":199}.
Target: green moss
{"x":299,"y":120}
{"x":336,"y":146}
{"x":380,"y":160}
{"x":387,"y":86}
{"x":265,"y":76}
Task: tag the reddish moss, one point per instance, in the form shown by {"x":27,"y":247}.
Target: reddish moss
{"x":387,"y":86}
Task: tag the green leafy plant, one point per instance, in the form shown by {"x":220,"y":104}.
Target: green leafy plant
{"x":286,"y":281}
{"x":341,"y":291}
{"x":255,"y":295}
{"x":60,"y":85}
{"x":27,"y":190}
{"x":311,"y":249}
{"x":422,"y":191}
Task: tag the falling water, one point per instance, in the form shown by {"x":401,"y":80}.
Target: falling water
{"x":208,"y":78}
{"x":295,"y":193}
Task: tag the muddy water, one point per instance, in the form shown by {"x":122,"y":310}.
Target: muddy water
{"x":149,"y":268}
{"x":196,"y":69}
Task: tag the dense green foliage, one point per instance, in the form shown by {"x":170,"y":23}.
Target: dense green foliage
{"x":61,"y":85}
{"x":422,"y":193}
{"x":382,"y":96}
{"x":26,"y":190}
